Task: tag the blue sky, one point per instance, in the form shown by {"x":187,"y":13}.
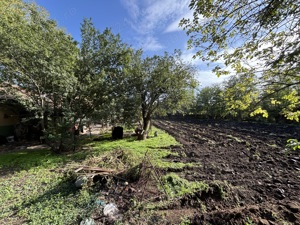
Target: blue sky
{"x":148,"y":24}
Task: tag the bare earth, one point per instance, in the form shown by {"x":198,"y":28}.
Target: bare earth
{"x":260,"y":180}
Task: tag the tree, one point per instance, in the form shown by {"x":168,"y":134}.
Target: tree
{"x":101,"y":63}
{"x":38,"y":57}
{"x":241,"y":95}
{"x":210,"y":102}
{"x":284,"y":102}
{"x":157,"y":85}
{"x":261,"y":37}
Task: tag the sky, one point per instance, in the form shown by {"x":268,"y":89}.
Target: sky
{"x":148,"y":24}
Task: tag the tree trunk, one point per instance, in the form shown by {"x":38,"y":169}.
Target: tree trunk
{"x":142,"y":136}
{"x":146,"y":124}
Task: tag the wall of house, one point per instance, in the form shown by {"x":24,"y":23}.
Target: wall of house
{"x":8,"y":119}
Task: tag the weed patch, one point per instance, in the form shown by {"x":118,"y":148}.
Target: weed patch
{"x":177,"y":186}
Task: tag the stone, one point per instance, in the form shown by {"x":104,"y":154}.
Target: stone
{"x":88,"y":221}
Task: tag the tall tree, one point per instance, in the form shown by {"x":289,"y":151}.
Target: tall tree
{"x":260,"y":37}
{"x":157,"y":85}
{"x":101,"y":63}
{"x":39,"y":57}
{"x":35,"y":54}
{"x":241,"y":95}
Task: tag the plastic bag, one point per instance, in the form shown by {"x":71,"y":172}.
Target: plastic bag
{"x":88,"y":221}
{"x":110,"y":210}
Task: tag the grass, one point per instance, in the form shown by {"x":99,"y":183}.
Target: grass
{"x":33,"y":190}
{"x":177,"y":186}
{"x":30,"y":190}
{"x":24,"y":160}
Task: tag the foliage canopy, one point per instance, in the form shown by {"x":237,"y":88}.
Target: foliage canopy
{"x":250,"y":37}
{"x":158,"y":85}
{"x":101,"y":78}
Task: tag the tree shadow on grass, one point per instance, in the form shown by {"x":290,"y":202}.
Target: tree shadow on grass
{"x":14,"y":162}
{"x":21,"y":160}
{"x":26,"y":159}
{"x":32,"y":157}
{"x":62,"y":199}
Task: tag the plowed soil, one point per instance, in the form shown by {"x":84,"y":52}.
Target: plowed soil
{"x":259,"y":179}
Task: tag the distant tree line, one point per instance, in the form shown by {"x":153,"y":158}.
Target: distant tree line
{"x":243,"y":98}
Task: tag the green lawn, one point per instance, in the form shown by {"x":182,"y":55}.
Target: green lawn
{"x":36,"y":188}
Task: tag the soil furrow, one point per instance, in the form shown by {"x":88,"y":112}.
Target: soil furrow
{"x":260,"y":180}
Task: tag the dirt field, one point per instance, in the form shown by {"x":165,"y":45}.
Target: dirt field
{"x":260,"y":182}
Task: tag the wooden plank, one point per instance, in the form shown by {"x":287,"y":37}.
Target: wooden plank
{"x":98,"y":169}
{"x":94,"y":174}
{"x":79,"y":169}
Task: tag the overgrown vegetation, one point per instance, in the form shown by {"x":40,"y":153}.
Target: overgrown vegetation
{"x":37,"y":186}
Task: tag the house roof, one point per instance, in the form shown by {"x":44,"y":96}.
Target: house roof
{"x":11,"y":102}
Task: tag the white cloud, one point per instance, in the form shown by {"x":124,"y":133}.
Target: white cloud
{"x":208,"y":78}
{"x":174,"y":26}
{"x":159,"y":13}
{"x":132,"y":8}
{"x":149,"y":18}
{"x":204,"y":75}
{"x":187,"y":54}
{"x":149,"y":43}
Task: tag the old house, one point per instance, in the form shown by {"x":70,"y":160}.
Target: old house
{"x":11,"y":114}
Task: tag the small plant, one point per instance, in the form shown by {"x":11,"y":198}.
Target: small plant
{"x":185,"y":221}
{"x":249,"y":221}
{"x":203,"y":208}
{"x":293,"y":144}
